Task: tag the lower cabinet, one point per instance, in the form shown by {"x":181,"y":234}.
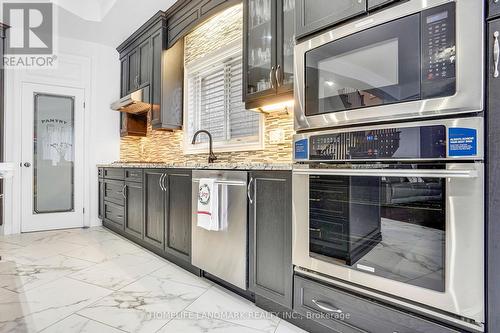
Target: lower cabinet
{"x":134,"y":209}
{"x":178,"y":219}
{"x":155,"y":207}
{"x":270,"y":232}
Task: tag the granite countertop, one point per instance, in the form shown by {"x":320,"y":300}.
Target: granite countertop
{"x":201,"y":166}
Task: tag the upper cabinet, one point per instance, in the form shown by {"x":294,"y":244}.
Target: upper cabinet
{"x":269,"y":39}
{"x":493,"y":8}
{"x":315,"y":15}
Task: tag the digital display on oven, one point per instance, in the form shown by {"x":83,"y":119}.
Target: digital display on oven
{"x":437,"y":17}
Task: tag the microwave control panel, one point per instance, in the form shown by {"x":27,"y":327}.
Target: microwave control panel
{"x":392,"y":143}
{"x":438,"y":51}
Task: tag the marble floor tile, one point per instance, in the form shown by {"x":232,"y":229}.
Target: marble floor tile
{"x":191,"y":323}
{"x":20,"y":277}
{"x":143,"y":306}
{"x":33,"y":253}
{"x":39,"y":308}
{"x":118,"y":272}
{"x":286,"y":327}
{"x":106,"y":250}
{"x":176,"y":274}
{"x":222,"y":304}
{"x":79,"y":324}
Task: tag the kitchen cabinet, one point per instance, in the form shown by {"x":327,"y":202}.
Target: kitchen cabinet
{"x":493,"y":176}
{"x":269,"y":39}
{"x":155,"y":207}
{"x":311,"y":297}
{"x":2,"y":38}
{"x":493,"y":8}
{"x":315,"y":15}
{"x":178,"y":219}
{"x":134,"y":209}
{"x":100,"y":198}
{"x":137,"y":69}
{"x":270,"y":234}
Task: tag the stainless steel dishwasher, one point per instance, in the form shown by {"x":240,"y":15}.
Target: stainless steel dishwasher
{"x":223,"y":253}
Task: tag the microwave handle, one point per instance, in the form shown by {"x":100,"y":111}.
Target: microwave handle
{"x":496,"y":53}
{"x":409,"y":173}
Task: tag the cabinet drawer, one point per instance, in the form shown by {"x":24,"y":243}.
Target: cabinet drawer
{"x":133,"y":175}
{"x":100,"y":172}
{"x":332,"y":306}
{"x":114,"y":213}
{"x":114,"y":173}
{"x":493,"y":8}
{"x":113,"y":191}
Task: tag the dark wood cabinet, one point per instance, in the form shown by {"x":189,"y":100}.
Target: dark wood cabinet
{"x":270,"y":233}
{"x":134,"y":211}
{"x":315,"y":15}
{"x":268,"y":62}
{"x":493,"y":8}
{"x":178,"y":219}
{"x":493,"y":176}
{"x":2,"y":38}
{"x":155,"y":207}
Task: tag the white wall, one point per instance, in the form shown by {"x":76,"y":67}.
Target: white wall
{"x":93,"y":67}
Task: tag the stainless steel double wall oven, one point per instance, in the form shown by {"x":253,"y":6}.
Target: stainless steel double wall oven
{"x":389,"y":181}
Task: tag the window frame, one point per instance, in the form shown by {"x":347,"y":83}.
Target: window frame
{"x":207,"y":64}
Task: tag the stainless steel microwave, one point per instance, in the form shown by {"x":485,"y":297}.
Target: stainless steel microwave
{"x":422,"y":58}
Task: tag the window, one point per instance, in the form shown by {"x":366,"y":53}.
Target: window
{"x":214,"y":103}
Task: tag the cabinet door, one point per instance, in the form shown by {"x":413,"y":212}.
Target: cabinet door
{"x":260,"y":49}
{"x":270,"y":216}
{"x":134,"y":212}
{"x":493,"y":8}
{"x":133,"y":70}
{"x":101,"y":199}
{"x":124,"y":80}
{"x":156,"y":54}
{"x":144,"y":65}
{"x":178,"y":226}
{"x":314,"y":15}
{"x":154,"y":198}
{"x":172,"y":72}
{"x":286,"y":44}
{"x":493,"y":183}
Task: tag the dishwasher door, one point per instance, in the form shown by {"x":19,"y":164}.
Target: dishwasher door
{"x":223,"y":253}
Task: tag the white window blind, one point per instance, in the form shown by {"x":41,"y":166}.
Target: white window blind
{"x":215,"y":103}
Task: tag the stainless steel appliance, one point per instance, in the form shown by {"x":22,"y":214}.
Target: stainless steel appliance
{"x":136,"y":102}
{"x":395,"y":211}
{"x":223,"y":253}
{"x":421,"y":58}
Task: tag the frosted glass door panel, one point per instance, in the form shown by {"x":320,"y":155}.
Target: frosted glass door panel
{"x":53,"y":154}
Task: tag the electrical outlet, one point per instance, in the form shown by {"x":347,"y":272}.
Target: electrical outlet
{"x":277,"y":136}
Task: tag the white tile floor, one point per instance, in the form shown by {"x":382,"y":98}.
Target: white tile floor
{"x":91,"y":280}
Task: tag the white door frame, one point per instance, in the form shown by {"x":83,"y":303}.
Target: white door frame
{"x":32,"y":221}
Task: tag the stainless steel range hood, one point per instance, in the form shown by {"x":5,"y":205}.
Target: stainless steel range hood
{"x":135,"y":102}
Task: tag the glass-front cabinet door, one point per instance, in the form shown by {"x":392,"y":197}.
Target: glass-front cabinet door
{"x":286,"y":44}
{"x":260,"y":48}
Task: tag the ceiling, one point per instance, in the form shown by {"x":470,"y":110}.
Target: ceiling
{"x":107,"y":22}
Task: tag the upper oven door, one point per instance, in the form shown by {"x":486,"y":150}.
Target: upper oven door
{"x":415,"y":60}
{"x":409,"y":230}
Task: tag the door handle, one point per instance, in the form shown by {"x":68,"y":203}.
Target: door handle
{"x":160,"y":182}
{"x":248,"y":190}
{"x":163,"y":182}
{"x":124,"y":189}
{"x":278,"y":76}
{"x":496,"y":53}
{"x":27,"y":164}
{"x":325,"y":307}
{"x":271,"y":77}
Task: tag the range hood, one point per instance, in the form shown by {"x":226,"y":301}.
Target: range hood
{"x":135,"y":102}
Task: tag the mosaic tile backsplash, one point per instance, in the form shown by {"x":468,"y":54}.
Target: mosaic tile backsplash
{"x":161,"y":146}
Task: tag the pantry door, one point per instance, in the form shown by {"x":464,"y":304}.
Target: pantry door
{"x":53,"y":156}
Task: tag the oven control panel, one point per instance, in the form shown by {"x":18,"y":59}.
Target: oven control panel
{"x":438,"y":51}
{"x":391,"y":143}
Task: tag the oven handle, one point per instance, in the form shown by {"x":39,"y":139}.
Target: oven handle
{"x":390,"y":173}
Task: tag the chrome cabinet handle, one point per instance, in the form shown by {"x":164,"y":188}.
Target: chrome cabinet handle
{"x":123,"y":191}
{"x":271,"y":78}
{"x":496,"y":53}
{"x":278,"y":76}
{"x":325,"y":307}
{"x":160,"y":182}
{"x":164,"y":184}
{"x":248,"y":190}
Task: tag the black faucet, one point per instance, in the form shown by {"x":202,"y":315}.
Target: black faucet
{"x":211,"y":155}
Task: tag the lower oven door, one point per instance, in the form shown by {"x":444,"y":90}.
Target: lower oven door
{"x":412,"y":231}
